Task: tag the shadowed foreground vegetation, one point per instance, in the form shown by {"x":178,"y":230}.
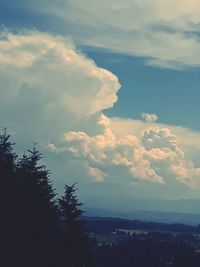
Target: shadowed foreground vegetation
{"x":30,"y":234}
{"x":39,"y":230}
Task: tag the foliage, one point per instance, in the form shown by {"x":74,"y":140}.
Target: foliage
{"x":73,"y":237}
{"x":30,"y":217}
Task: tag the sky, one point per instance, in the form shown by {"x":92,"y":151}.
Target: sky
{"x":110,"y":92}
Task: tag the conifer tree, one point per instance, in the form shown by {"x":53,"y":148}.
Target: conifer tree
{"x":38,"y":211}
{"x":75,"y":242}
{"x":29,"y":232}
{"x":7,"y":173}
{"x":7,"y":193}
{"x":28,"y":210}
{"x":38,"y":192}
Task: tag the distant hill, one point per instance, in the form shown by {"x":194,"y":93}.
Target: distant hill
{"x":127,"y":205}
{"x":149,"y":216}
{"x":104,"y":225}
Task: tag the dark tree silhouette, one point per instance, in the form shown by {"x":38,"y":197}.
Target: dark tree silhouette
{"x":38,"y":193}
{"x":74,"y":241}
{"x":27,"y":207}
{"x":30,"y":232}
{"x":38,"y":211}
{"x":7,"y":195}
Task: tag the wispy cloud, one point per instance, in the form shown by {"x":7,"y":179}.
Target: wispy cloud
{"x":165,"y":32}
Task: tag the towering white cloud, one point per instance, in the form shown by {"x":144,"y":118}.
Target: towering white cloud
{"x":46,"y":85}
{"x":53,"y":94}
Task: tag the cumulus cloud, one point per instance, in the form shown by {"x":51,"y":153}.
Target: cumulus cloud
{"x":56,"y":95}
{"x":149,"y":118}
{"x":46,"y":84}
{"x":153,"y":155}
{"x":35,"y":56}
{"x":165,"y":32}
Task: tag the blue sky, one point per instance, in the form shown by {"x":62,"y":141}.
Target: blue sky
{"x":144,"y":88}
{"x":109,"y":90}
{"x":172,"y":94}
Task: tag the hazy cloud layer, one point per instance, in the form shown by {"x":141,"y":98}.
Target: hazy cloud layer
{"x":165,"y":32}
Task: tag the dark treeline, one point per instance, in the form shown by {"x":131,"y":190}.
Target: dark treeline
{"x":145,"y":249}
{"x":107,"y":225}
{"x":30,"y":230}
{"x":146,"y":253}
